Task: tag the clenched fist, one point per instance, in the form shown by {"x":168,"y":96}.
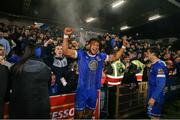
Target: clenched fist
{"x":125,"y":42}
{"x":68,"y":31}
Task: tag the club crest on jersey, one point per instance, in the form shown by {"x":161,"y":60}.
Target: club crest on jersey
{"x":160,"y":72}
{"x":93,"y":65}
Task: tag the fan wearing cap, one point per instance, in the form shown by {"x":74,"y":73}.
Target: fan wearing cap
{"x":90,"y":64}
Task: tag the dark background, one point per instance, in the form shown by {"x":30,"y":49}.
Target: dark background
{"x":133,"y":13}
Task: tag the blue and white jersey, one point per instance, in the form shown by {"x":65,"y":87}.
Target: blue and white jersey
{"x":90,"y":70}
{"x":157,"y":81}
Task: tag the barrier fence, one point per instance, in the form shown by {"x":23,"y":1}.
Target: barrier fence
{"x":123,"y":102}
{"x":120,"y":101}
{"x":62,"y":106}
{"x":172,"y":88}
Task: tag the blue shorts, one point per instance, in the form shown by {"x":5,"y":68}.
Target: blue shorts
{"x":154,"y":111}
{"x":85,"y":99}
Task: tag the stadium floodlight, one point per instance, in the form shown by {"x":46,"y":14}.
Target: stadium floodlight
{"x":117,"y":3}
{"x":175,"y":2}
{"x":90,"y":19}
{"x":154,"y":17}
{"x":124,"y":27}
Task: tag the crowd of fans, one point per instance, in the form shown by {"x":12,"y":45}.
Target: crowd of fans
{"x":35,"y":49}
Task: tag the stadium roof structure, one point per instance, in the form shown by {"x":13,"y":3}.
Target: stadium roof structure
{"x":105,"y":14}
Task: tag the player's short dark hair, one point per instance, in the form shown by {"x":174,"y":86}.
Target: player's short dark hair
{"x":93,"y":40}
{"x":154,"y":50}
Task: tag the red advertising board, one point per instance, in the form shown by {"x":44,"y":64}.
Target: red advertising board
{"x":62,"y":106}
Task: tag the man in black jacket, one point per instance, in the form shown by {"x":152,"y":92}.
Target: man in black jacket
{"x":30,"y":80}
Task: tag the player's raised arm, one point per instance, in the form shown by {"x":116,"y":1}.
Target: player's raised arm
{"x":119,"y":53}
{"x":66,"y":50}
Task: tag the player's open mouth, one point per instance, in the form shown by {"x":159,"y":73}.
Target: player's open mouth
{"x":95,"y":50}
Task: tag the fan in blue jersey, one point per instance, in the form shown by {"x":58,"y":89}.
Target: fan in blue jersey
{"x":90,"y":64}
{"x":156,"y":83}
